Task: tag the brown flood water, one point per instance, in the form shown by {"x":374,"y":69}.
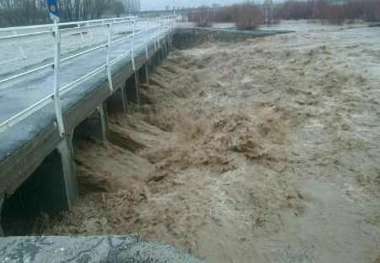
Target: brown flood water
{"x":261,"y":151}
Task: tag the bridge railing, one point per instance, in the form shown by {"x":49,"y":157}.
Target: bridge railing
{"x":153,"y":28}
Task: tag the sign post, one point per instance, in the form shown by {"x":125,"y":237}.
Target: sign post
{"x":54,"y":16}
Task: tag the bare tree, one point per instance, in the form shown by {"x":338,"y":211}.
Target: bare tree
{"x":117,"y":8}
{"x":27,"y":12}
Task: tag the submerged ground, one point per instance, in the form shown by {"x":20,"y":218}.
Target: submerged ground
{"x":259,"y":151}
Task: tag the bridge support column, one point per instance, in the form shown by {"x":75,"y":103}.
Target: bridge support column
{"x":117,"y":102}
{"x":144,"y":74}
{"x":95,"y":126}
{"x":67,"y":173}
{"x":168,"y":45}
{"x":161,"y":53}
{"x":51,"y":188}
{"x":153,"y":62}
{"x":103,"y":121}
{"x":1,"y":209}
{"x":132,"y":89}
{"x":165,"y":48}
{"x":170,"y":41}
{"x":146,"y":68}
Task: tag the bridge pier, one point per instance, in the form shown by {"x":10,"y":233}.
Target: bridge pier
{"x":117,"y":102}
{"x":156,"y":58}
{"x":65,"y":171}
{"x":161,"y":52}
{"x":132,"y":89}
{"x":1,"y":209}
{"x":94,"y":127}
{"x":143,"y":74}
{"x":151,"y":63}
{"x":165,"y":48}
{"x":51,"y":188}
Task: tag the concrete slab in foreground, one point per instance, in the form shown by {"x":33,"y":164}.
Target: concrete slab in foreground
{"x":108,"y":249}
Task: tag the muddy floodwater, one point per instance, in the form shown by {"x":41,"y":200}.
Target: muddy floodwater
{"x":266,"y":150}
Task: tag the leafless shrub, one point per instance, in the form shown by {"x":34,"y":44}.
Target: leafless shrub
{"x":201,"y":16}
{"x":249,"y":17}
{"x":326,"y":11}
{"x":245,"y":16}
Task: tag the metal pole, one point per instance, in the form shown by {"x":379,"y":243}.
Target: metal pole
{"x":159,"y":33}
{"x":108,"y":51}
{"x":81,"y":37}
{"x":146,"y":46}
{"x":57,"y":98}
{"x":133,"y":46}
{"x":20,"y":48}
{"x":146,"y":52}
{"x":146,"y":63}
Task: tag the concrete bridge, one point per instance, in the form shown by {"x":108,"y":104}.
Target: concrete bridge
{"x":60,"y":81}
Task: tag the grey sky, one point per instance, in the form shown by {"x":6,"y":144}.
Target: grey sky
{"x":161,"y":4}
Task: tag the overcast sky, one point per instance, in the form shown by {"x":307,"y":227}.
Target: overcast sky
{"x":161,"y":4}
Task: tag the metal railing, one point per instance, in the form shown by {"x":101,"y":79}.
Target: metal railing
{"x":155,"y":28}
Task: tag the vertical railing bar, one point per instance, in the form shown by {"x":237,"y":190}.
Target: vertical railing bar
{"x":81,"y":36}
{"x":20,"y":48}
{"x":146,"y":41}
{"x":57,"y":98}
{"x":91,"y":33}
{"x":154,"y":41}
{"x":108,"y":51}
{"x":133,"y":46}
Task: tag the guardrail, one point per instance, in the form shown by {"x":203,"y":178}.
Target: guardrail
{"x":157,"y":27}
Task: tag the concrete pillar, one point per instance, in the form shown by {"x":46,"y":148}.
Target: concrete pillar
{"x":170,"y":43}
{"x":146,"y":69}
{"x":95,"y":126}
{"x":132,"y":89}
{"x":137,"y":87}
{"x":117,"y":102}
{"x":67,"y":172}
{"x":144,"y":74}
{"x":153,"y":62}
{"x":165,"y":49}
{"x":104,"y":120}
{"x":159,"y":56}
{"x":124,"y":99}
{"x":51,"y":188}
{"x":1,"y":209}
{"x":161,"y":53}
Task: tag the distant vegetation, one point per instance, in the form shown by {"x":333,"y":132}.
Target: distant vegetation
{"x":367,"y":10}
{"x":249,"y":16}
{"x":245,"y":16}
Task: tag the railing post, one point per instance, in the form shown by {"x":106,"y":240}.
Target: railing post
{"x":159,"y":33}
{"x":57,"y":98}
{"x":20,"y":48}
{"x":147,"y":43}
{"x":81,"y":36}
{"x":91,"y":32}
{"x":108,"y":51}
{"x":133,"y":46}
{"x":146,"y":67}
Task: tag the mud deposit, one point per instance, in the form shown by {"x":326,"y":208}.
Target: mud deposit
{"x":261,"y":151}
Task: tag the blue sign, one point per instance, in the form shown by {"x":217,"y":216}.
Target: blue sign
{"x":53,"y":9}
